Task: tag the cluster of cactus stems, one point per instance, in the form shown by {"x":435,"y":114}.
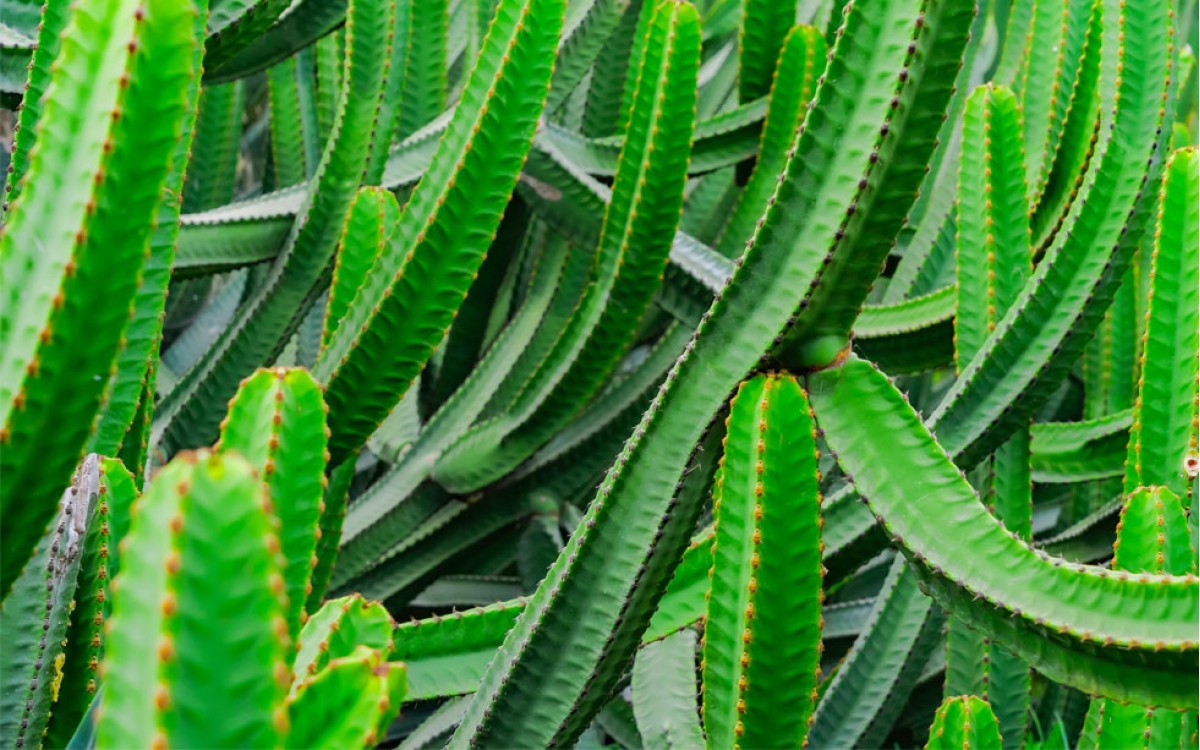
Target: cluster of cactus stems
{"x":580,"y":373}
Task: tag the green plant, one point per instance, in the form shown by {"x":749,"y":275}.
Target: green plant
{"x":737,"y":373}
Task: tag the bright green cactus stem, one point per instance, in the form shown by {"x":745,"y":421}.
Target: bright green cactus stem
{"x":277,"y":422}
{"x":347,"y":704}
{"x":993,"y":264}
{"x":73,"y":249}
{"x":1065,"y":619}
{"x":197,"y":650}
{"x":965,"y":722}
{"x":336,"y":630}
{"x":403,"y":310}
{"x":762,"y":633}
{"x":1162,"y":440}
{"x":765,"y":25}
{"x":36,"y":615}
{"x":1152,"y":537}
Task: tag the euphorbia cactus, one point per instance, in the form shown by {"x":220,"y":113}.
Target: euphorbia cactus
{"x":738,"y":373}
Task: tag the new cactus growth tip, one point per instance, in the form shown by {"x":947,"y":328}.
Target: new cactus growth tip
{"x":725,"y":374}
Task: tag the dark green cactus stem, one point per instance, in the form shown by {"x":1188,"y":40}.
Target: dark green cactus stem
{"x":403,"y":311}
{"x":801,"y":60}
{"x":631,"y":256}
{"x":36,"y":615}
{"x":276,"y":421}
{"x":105,"y":120}
{"x":965,"y":722}
{"x":200,"y":594}
{"x":423,"y":85}
{"x":765,"y":25}
{"x":762,"y":633}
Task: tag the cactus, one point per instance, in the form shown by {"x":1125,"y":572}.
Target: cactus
{"x":964,"y":722}
{"x":638,"y":373}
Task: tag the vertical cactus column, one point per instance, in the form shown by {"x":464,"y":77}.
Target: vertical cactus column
{"x":277,"y":422}
{"x":198,"y":647}
{"x":73,"y":249}
{"x":762,"y":637}
{"x":993,"y":264}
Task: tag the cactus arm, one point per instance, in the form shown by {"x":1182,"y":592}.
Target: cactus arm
{"x":36,"y":615}
{"x":276,"y":421}
{"x":1076,"y":145}
{"x":335,"y":631}
{"x":763,"y":625}
{"x":53,"y":19}
{"x":964,"y":722}
{"x":1035,"y":343}
{"x":762,"y":36}
{"x":586,"y":32}
{"x":1152,"y":537}
{"x":67,"y":304}
{"x":423,"y":88}
{"x":993,"y":264}
{"x":754,"y":307}
{"x":914,"y":335}
{"x":664,"y":693}
{"x":1065,"y":452}
{"x":388,"y":509}
{"x":329,"y":82}
{"x":1006,"y":600}
{"x":801,"y":60}
{"x":198,"y":615}
{"x":602,"y":108}
{"x":213,"y":165}
{"x":1052,"y":64}
{"x":447,"y":655}
{"x":347,"y":704}
{"x":379,"y":349}
{"x":1163,"y":434}
{"x":307,"y":22}
{"x":631,"y":255}
{"x":131,"y":383}
{"x":287,"y":131}
{"x":993,"y":218}
{"x":870,"y":687}
{"x":369,"y":226}
{"x":234,"y":25}
{"x":472,"y":331}
{"x":189,"y":414}
{"x":824,"y":317}
{"x":333,"y":516}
